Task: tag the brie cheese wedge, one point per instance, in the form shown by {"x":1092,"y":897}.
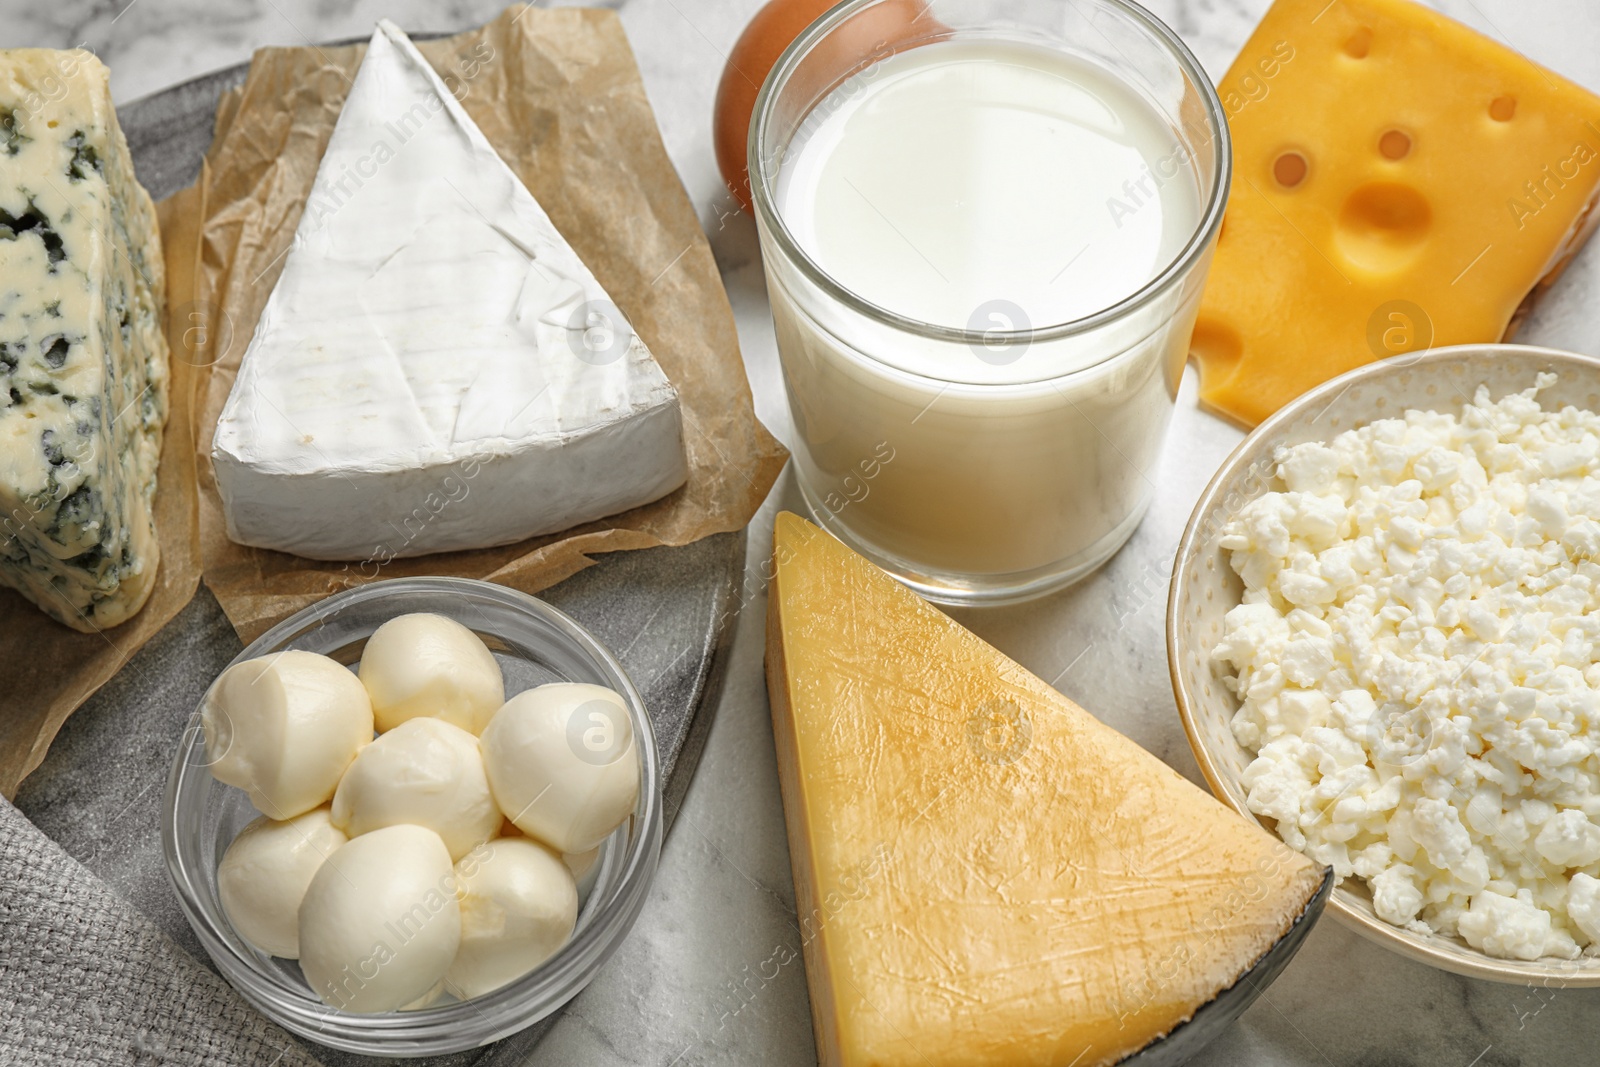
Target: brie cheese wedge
{"x":436,"y":368}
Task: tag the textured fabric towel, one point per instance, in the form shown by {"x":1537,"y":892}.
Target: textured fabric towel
{"x":86,"y":980}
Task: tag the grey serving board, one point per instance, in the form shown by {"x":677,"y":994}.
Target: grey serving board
{"x":665,"y":612}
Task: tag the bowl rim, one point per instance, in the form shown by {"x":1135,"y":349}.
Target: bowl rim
{"x":495,"y":1015}
{"x":1547,"y":969}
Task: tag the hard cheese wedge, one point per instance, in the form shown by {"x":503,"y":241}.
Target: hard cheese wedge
{"x":436,"y":369}
{"x":987,"y":875}
{"x":83,"y":363}
{"x":1400,"y":182}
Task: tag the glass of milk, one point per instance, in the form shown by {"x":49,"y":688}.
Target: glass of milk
{"x":986,"y":226}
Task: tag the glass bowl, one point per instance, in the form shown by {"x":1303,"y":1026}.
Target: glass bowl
{"x":534,"y":644}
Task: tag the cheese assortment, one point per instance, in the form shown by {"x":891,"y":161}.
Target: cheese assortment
{"x":83,"y":362}
{"x":1400,"y":182}
{"x":436,"y":369}
{"x":985,"y":873}
{"x":417,"y":882}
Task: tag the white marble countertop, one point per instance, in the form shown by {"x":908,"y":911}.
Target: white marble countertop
{"x":699,"y":982}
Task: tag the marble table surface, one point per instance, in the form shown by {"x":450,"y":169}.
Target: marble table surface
{"x":699,"y":981}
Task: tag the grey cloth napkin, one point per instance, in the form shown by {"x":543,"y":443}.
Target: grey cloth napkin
{"x":86,"y":980}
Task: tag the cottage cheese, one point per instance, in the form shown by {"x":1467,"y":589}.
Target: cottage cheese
{"x":1415,"y":659}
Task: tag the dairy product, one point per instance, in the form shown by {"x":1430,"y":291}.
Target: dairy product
{"x":562,"y":763}
{"x":284,"y":727}
{"x":436,"y":369}
{"x":948,"y":175}
{"x":380,"y":922}
{"x":423,"y":664}
{"x":1352,"y":232}
{"x":442,"y":892}
{"x":518,"y":906}
{"x":993,"y":187}
{"x":264,"y":874}
{"x":1415,"y":658}
{"x":585,"y":867}
{"x":83,"y":362}
{"x":985,"y":874}
{"x":425,"y":772}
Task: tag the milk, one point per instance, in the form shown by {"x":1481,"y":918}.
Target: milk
{"x":991,"y":186}
{"x":970,"y":171}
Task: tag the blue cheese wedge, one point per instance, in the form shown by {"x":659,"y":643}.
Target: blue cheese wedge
{"x":83,"y":362}
{"x":436,"y":369}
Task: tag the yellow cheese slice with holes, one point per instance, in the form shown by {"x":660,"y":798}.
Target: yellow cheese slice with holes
{"x":986,"y":874}
{"x":1400,"y":182}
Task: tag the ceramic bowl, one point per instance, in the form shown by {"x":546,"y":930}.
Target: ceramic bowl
{"x":1205,"y":587}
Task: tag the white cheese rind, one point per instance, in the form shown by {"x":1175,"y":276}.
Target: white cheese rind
{"x":436,"y":369}
{"x":83,"y":362}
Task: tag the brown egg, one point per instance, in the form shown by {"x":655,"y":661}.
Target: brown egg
{"x":879,"y":31}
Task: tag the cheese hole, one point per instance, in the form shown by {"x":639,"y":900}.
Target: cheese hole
{"x":1290,"y":169}
{"x":1358,"y":44}
{"x":1215,"y":345}
{"x":1502,"y":108}
{"x":1383,"y":225}
{"x":1394,"y":145}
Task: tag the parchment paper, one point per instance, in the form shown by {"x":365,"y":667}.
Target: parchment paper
{"x":559,"y":96}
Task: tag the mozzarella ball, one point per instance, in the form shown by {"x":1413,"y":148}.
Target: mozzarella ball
{"x":428,"y":665}
{"x":264,"y":874}
{"x":424,"y":772}
{"x":562,"y":763}
{"x":518,"y":906}
{"x":380,"y":922}
{"x":584,"y":866}
{"x":284,"y":727}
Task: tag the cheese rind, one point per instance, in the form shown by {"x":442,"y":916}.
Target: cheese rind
{"x":987,"y":874}
{"x":1400,"y":182}
{"x":436,"y":369}
{"x":83,"y":361}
